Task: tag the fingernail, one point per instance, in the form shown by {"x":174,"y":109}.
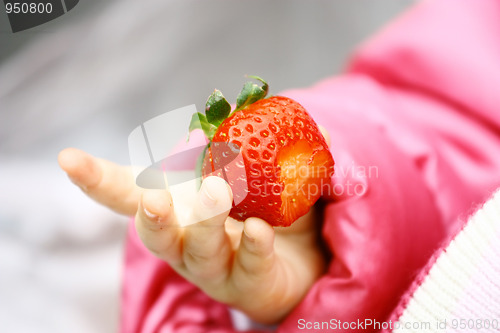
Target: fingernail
{"x":150,"y":215}
{"x":153,"y":201}
{"x":206,"y":198}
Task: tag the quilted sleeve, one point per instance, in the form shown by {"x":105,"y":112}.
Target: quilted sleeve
{"x":415,"y":133}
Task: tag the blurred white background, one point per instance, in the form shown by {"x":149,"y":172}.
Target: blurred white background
{"x":86,"y":80}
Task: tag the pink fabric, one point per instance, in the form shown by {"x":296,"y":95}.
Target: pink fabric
{"x":415,"y":130}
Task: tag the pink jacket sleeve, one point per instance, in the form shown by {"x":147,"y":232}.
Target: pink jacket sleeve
{"x":415,"y":130}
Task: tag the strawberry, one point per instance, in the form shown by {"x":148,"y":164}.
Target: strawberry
{"x":269,"y":150}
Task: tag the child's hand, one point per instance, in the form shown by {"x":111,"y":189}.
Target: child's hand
{"x":261,"y":270}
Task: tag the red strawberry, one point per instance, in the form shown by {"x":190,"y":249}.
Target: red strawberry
{"x":270,"y":151}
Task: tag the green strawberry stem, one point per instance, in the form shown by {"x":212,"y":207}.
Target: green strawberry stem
{"x":217,"y":109}
{"x":199,"y":164}
{"x":251,"y":93}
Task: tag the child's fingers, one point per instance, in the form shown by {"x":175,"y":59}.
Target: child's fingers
{"x":107,"y":183}
{"x":256,"y":252}
{"x":206,"y":246}
{"x":157,"y":226}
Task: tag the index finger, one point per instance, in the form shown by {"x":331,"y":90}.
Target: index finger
{"x":106,"y":182}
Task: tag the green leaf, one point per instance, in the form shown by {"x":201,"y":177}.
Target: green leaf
{"x":251,"y":93}
{"x":217,"y":108}
{"x":199,"y":121}
{"x":265,"y":86}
